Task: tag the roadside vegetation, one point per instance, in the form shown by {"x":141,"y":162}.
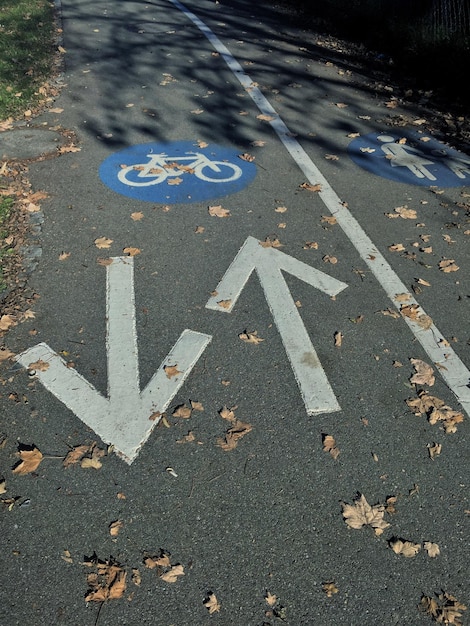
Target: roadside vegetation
{"x":5,"y":249}
{"x":27,"y":57}
{"x":428,"y":42}
{"x":26,"y":53}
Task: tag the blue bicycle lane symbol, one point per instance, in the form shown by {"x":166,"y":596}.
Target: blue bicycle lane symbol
{"x":411,"y":158}
{"x":176,"y":172}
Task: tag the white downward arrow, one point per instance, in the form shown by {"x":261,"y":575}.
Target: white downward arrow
{"x":123,"y":418}
{"x":316,"y":391}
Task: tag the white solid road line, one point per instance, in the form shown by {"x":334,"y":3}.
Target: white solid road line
{"x":315,"y":389}
{"x":450,"y":367}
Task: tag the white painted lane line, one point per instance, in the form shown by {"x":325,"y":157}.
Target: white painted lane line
{"x":451,"y":368}
{"x":127,"y":416}
{"x":314,"y":386}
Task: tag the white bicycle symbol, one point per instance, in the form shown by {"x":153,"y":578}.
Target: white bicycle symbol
{"x":161,"y":166}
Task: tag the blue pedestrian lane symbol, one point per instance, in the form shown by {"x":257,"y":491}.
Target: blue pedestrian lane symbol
{"x":177,"y":172}
{"x":411,"y":158}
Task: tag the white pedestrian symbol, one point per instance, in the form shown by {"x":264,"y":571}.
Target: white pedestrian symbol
{"x":161,"y":166}
{"x":402,"y":155}
{"x":459,"y":167}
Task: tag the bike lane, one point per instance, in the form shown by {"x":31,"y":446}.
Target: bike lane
{"x":245,"y":521}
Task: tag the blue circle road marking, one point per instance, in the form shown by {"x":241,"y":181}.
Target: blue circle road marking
{"x":412,"y":158}
{"x":176,"y":172}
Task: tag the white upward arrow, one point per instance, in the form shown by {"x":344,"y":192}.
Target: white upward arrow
{"x":316,"y":391}
{"x":123,"y":418}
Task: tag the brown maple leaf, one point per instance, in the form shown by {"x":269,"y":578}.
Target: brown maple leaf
{"x":75,"y":455}
{"x":30,"y":457}
{"x":361,"y":513}
{"x":424,"y":373}
{"x":103,"y":242}
{"x":218,"y":211}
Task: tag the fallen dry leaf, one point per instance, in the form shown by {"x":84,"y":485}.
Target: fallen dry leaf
{"x":228,"y":414}
{"x":103,"y":242}
{"x":329,"y":219}
{"x":162,"y":560}
{"x":444,"y":608}
{"x":211,"y":603}
{"x":265,"y":118}
{"x":432,"y":549}
{"x":424,"y":373}
{"x":182,"y":411}
{"x":63,"y":256}
{"x":171,"y":370}
{"x":329,"y":445}
{"x":338,"y":338}
{"x":396,"y":247}
{"x":218,"y":211}
{"x":136,"y":577}
{"x":115,"y":527}
{"x":361,"y":513}
{"x":271,"y":241}
{"x":309,"y":187}
{"x":413,"y":312}
{"x":190,"y":437}
{"x":247,"y":157}
{"x":448,"y":265}
{"x":30,"y":457}
{"x":137,"y":216}
{"x":75,"y":455}
{"x":270,"y":598}
{"x":434,"y":450}
{"x":233,"y":435}
{"x":171,"y":576}
{"x":108,"y":582}
{"x":131,"y":251}
{"x":7,"y":321}
{"x":93,"y":461}
{"x":330,"y":588}
{"x":39,"y":365}
{"x":5,"y":354}
{"x":404,"y":212}
{"x":405,"y":548}
{"x":250,"y":337}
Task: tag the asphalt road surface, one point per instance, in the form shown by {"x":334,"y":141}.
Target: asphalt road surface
{"x":250,"y":341}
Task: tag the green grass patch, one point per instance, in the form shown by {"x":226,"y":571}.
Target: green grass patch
{"x":6,"y":205}
{"x":26,"y":53}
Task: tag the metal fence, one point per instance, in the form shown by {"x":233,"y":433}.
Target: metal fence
{"x":447,"y":18}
